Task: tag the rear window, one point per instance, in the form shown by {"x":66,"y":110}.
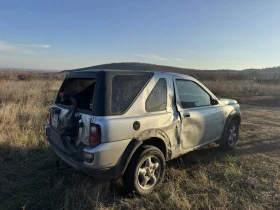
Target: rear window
{"x":125,"y":88}
{"x":81,"y":89}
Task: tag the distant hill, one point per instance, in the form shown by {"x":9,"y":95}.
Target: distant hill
{"x":26,"y":69}
{"x":273,"y":72}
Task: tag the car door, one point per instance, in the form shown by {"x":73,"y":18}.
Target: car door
{"x":201,"y":119}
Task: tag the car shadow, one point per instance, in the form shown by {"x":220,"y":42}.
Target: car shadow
{"x":211,"y":153}
{"x":25,"y":172}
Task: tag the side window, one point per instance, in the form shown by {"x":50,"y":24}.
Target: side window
{"x":124,"y":90}
{"x":157,"y":99}
{"x":191,"y":94}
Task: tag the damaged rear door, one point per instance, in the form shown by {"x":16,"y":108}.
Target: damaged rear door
{"x":72,"y":114}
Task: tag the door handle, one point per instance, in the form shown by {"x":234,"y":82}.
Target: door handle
{"x":186,"y":115}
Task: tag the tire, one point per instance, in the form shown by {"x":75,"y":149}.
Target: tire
{"x":229,"y":141}
{"x":145,"y":171}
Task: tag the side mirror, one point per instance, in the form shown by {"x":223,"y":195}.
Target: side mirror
{"x":214,"y":101}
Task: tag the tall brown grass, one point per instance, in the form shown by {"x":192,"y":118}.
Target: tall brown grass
{"x":242,"y":88}
{"x":23,"y":111}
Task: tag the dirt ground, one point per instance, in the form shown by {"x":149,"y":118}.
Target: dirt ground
{"x":209,"y":178}
{"x":260,"y":101}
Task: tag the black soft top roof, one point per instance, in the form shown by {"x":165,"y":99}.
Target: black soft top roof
{"x":96,"y":72}
{"x":103,"y":89}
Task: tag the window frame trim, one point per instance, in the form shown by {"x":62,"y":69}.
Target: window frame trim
{"x":177,"y":99}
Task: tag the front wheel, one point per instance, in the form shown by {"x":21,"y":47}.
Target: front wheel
{"x":231,"y":136}
{"x":145,"y":171}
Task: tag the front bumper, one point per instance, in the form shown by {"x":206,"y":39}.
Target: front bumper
{"x":109,"y":173}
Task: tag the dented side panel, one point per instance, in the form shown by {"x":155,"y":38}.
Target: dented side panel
{"x":204,"y":125}
{"x":117,"y":129}
{"x":200,"y":125}
{"x":162,"y":124}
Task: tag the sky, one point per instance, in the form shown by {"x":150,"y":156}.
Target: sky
{"x":200,"y":34}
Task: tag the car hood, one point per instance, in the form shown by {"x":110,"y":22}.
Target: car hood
{"x":225,"y":101}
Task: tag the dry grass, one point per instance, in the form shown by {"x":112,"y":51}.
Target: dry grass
{"x":23,"y":111}
{"x":209,"y":178}
{"x":237,"y":88}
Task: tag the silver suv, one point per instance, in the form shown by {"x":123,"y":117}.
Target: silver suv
{"x":111,"y":124}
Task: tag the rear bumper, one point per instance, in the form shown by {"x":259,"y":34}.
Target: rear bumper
{"x":109,"y":173}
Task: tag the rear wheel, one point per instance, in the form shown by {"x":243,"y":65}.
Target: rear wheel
{"x":145,"y":171}
{"x":230,"y":139}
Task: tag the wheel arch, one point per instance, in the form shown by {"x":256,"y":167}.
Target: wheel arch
{"x":157,"y":138}
{"x":234,"y":115}
{"x":153,"y":137}
{"x":157,"y":142}
{"x":237,"y":117}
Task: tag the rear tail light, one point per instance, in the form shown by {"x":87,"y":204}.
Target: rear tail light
{"x":94,"y":135}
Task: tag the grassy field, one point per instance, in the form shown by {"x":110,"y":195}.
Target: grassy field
{"x":209,"y":178}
